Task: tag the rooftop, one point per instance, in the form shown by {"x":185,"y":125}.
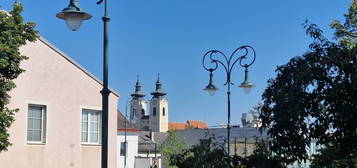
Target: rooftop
{"x":190,"y":124}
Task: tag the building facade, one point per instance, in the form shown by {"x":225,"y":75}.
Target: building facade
{"x":157,"y":118}
{"x":127,"y":147}
{"x":59,"y":119}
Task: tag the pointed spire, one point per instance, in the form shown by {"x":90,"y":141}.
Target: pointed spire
{"x":138,"y":93}
{"x":158,"y":92}
{"x":158,"y":83}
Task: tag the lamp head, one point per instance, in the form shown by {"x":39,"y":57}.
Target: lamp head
{"x":73,"y":15}
{"x":210,"y":88}
{"x":246,"y":84}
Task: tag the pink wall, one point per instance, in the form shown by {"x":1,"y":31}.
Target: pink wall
{"x":52,"y":80}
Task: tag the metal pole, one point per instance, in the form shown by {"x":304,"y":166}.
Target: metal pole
{"x":126,"y":130}
{"x":235,"y":146}
{"x":155,"y":150}
{"x":245,"y":147}
{"x":229,"y":118}
{"x":105,"y":92}
{"x":125,"y":141}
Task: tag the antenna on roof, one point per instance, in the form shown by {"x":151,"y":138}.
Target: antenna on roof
{"x":223,"y":125}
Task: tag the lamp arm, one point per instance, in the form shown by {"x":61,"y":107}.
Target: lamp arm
{"x":244,"y":57}
{"x":99,"y":2}
{"x":238,"y":59}
{"x":215,"y":61}
{"x":205,"y":66}
{"x":234,"y":53}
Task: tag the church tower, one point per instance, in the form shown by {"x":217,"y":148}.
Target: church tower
{"x":138,"y":106}
{"x":159,"y":109}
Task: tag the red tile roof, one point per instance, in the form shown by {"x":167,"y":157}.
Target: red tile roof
{"x":190,"y":124}
{"x":197,"y":124}
{"x":177,"y":126}
{"x":128,"y":130}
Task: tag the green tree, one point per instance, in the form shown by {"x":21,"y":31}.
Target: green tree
{"x":347,"y":33}
{"x":329,"y":158}
{"x":172,"y":146}
{"x":14,"y":33}
{"x":206,"y":154}
{"x":263,"y":157}
{"x":313,"y":97}
{"x":209,"y":154}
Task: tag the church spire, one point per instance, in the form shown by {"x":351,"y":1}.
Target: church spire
{"x":138,"y":93}
{"x":158,"y":92}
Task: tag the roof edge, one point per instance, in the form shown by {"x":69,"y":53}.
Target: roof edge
{"x":68,"y":58}
{"x":128,"y":130}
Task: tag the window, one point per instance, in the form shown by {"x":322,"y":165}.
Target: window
{"x":142,"y":111}
{"x":90,"y":130}
{"x":134,"y":112}
{"x":154,"y":111}
{"x":163,"y":111}
{"x":122,"y":149}
{"x":36,"y":124}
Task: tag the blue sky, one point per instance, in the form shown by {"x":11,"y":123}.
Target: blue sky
{"x":170,"y":37}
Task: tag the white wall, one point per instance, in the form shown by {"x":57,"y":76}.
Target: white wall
{"x":132,"y":149}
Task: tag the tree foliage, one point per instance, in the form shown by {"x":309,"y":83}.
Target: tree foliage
{"x":172,"y":146}
{"x":14,"y":33}
{"x":347,"y":32}
{"x":329,"y":158}
{"x":263,"y":157}
{"x":314,"y":97}
{"x":203,"y":155}
{"x":208,"y":154}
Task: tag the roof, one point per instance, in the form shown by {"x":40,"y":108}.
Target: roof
{"x":190,"y":124}
{"x":197,"y":124}
{"x":128,"y":130}
{"x":160,"y":137}
{"x":138,"y":93}
{"x":121,"y":122}
{"x":69,"y":59}
{"x":193,"y":136}
{"x":145,"y":117}
{"x":177,"y":126}
{"x":147,"y":145}
{"x":158,"y":92}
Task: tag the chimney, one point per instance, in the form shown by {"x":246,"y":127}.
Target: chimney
{"x":151,"y":135}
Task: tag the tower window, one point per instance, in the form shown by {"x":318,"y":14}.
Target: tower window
{"x":142,"y":111}
{"x":163,"y":111}
{"x":134,"y":112}
{"x":154,"y":111}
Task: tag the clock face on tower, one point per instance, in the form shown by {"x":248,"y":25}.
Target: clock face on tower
{"x":154,"y":102}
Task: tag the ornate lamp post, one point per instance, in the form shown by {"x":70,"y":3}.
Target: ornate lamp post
{"x":74,"y":15}
{"x":228,"y":64}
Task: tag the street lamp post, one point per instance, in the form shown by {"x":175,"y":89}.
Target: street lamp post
{"x":125,"y":132}
{"x":74,"y":15}
{"x":228,"y":64}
